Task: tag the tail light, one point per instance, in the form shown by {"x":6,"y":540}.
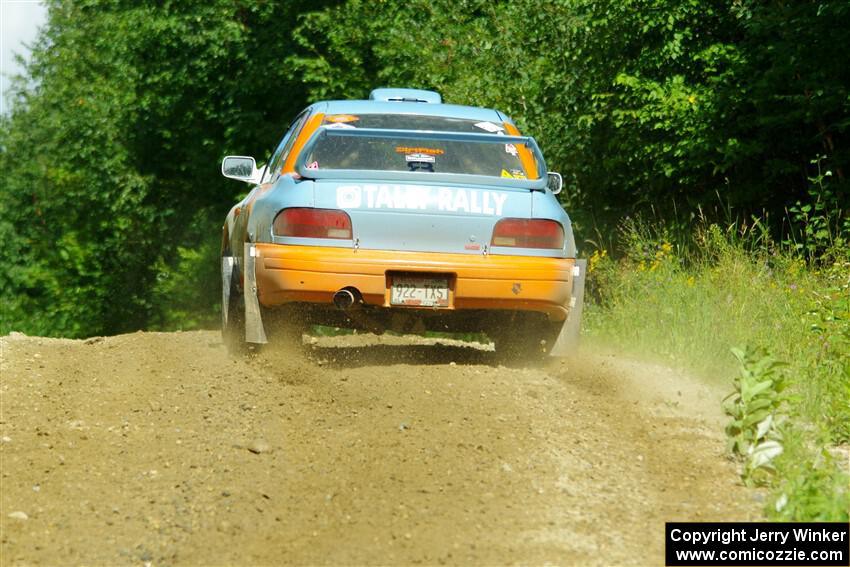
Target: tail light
{"x":313,"y":223}
{"x":528,"y":233}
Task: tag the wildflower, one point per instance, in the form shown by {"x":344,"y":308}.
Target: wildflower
{"x":595,"y":259}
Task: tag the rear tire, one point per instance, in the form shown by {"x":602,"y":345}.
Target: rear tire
{"x":284,"y":326}
{"x":233,"y":321}
{"x":524,"y":337}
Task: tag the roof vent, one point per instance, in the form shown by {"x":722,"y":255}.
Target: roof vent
{"x":405,"y":95}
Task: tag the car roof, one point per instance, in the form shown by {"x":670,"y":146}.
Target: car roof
{"x":421,"y":108}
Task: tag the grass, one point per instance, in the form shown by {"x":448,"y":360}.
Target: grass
{"x":691,"y":303}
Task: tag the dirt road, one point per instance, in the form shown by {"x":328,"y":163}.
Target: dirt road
{"x":159,"y":448}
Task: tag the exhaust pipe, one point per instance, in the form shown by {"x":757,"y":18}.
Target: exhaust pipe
{"x":347,"y":298}
{"x":350,"y":300}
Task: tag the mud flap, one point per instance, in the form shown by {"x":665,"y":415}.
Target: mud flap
{"x":227,"y":263}
{"x":568,"y":340}
{"x":254,"y":330}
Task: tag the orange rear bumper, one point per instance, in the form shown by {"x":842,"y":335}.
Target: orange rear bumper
{"x":313,"y":274}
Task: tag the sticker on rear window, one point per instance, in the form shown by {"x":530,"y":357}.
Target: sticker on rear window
{"x":511,"y":149}
{"x":410,"y":150}
{"x":514,"y":174}
{"x":339,"y":126}
{"x":489,"y":127}
{"x":420,"y":157}
{"x":420,"y":162}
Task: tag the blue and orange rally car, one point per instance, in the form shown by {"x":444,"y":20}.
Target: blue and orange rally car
{"x":402,"y":213}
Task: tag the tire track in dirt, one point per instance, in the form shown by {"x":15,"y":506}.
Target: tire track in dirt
{"x":158,"y":447}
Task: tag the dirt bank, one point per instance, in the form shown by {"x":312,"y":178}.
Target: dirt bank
{"x":159,"y":448}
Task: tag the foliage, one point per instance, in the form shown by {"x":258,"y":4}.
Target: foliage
{"x":183,"y":288}
{"x":110,"y":154}
{"x":828,"y":317}
{"x":819,"y":228}
{"x":753,"y":409}
{"x":810,"y":487}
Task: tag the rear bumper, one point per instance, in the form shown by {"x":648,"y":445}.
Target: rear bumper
{"x":312,"y":274}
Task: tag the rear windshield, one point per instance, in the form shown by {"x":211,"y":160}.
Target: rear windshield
{"x":406,"y":154}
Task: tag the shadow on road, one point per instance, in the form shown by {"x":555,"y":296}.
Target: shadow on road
{"x":381,"y":355}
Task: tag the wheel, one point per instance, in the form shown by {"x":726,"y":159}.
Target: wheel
{"x":284,"y":326}
{"x":524,"y":337}
{"x":233,"y":315}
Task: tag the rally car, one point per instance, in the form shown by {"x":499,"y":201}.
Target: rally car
{"x":406,"y":214}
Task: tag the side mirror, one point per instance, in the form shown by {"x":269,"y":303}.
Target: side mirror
{"x":243,"y":168}
{"x":554,"y":182}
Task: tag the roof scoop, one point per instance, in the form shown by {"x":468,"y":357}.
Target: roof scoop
{"x":405,"y":95}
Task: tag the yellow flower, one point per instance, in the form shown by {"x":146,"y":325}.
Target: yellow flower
{"x":595,"y":259}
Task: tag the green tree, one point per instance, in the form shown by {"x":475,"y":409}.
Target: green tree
{"x":111,"y":156}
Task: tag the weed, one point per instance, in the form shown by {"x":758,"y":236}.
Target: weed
{"x":810,"y":487}
{"x":818,"y":227}
{"x":753,"y":431}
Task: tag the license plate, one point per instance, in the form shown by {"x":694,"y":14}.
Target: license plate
{"x":420,"y":291}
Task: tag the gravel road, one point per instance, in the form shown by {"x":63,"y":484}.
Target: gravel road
{"x":160,"y":449}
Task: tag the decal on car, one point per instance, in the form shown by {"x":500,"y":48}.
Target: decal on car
{"x":420,"y":162}
{"x":420,"y":197}
{"x":513,"y":174}
{"x":409,"y":150}
{"x":427,"y":158}
{"x":341,"y":118}
{"x":490,"y":127}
